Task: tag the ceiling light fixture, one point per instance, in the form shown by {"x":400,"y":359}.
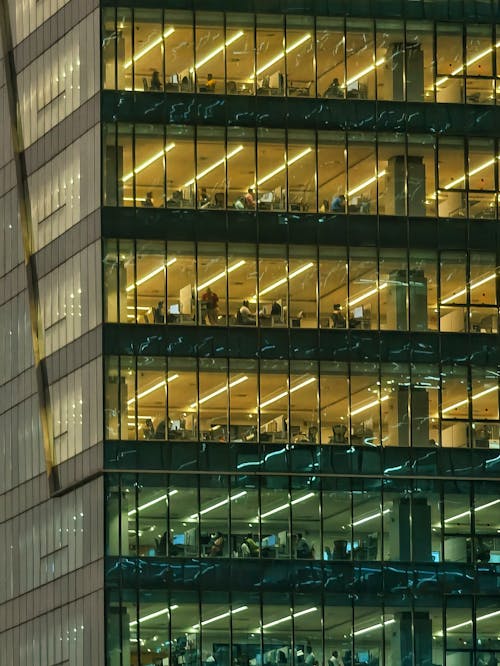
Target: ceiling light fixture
{"x":240,"y":380}
{"x":218,"y":504}
{"x":369,"y":405}
{"x":216,"y":51}
{"x":360,"y":632}
{"x":473,"y":285}
{"x":281,"y":168}
{"x":287,"y":505}
{"x":222,"y":274}
{"x":289,"y":617}
{"x":369,"y":69}
{"x":361,"y":521}
{"x":467,"y":64}
{"x":358,"y":188}
{"x":222,"y":616}
{"x":477,"y":508}
{"x":285,"y":393}
{"x":277,"y":58}
{"x":151,"y":616}
{"x":153,"y":502}
{"x":151,"y":389}
{"x":363,"y":297}
{"x":148,"y":162}
{"x":293,"y":274}
{"x":466,"y":401}
{"x":149,"y":276}
{"x":148,"y":48}
{"x":469,"y":622}
{"x":214,"y":166}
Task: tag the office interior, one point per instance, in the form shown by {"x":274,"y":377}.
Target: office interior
{"x":301,"y":402}
{"x":153,"y":282}
{"x":147,"y":50}
{"x":212,"y":168}
{"x":352,"y":520}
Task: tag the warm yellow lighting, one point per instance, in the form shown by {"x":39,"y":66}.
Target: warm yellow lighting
{"x":281,"y":168}
{"x":222,"y":274}
{"x":278,"y":283}
{"x":363,"y":297}
{"x":218,"y":50}
{"x":370,"y":405}
{"x":152,"y":389}
{"x":148,"y":48}
{"x":149,"y":276}
{"x":277,"y":58}
{"x":471,"y":173}
{"x":364,"y":72}
{"x":148,"y":162}
{"x":465,"y":402}
{"x":473,"y":285}
{"x":468,"y":64}
{"x":358,"y":188}
{"x":285,"y":393}
{"x":214,"y":166}
{"x":219,"y":391}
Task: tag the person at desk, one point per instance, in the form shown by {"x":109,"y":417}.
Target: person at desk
{"x":210,"y":300}
{"x":249,"y":548}
{"x":303,"y":550}
{"x":338,"y":319}
{"x":148,"y":201}
{"x":175,"y":200}
{"x":158,"y":314}
{"x":338,"y":204}
{"x":216,"y":545}
{"x":245,"y":316}
{"x":155,"y":83}
{"x":250,"y":199}
{"x":148,"y":432}
{"x":210,"y":84}
{"x":204,"y":198}
{"x":276,"y":309}
{"x":334,"y":89}
{"x":335,"y":659}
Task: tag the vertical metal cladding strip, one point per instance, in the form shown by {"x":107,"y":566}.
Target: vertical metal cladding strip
{"x":29,"y":259}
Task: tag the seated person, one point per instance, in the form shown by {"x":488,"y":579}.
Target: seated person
{"x":204,"y":198}
{"x":249,"y":548}
{"x":245,"y":316}
{"x":175,"y":200}
{"x":210,"y":84}
{"x":338,"y":203}
{"x":155,"y":81}
{"x":334,"y":89}
{"x":276,"y":308}
{"x":325,"y":207}
{"x":250,"y":199}
{"x":216,"y":545}
{"x":148,"y":201}
{"x":338,"y":318}
{"x":158,"y":315}
{"x":148,"y":432}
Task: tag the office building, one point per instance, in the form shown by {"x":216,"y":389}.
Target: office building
{"x":249,"y":386}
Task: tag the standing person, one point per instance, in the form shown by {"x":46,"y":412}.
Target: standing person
{"x":338,"y":318}
{"x":335,"y":659}
{"x":303,"y":550}
{"x":155,"y":83}
{"x":250,"y":199}
{"x":251,"y":546}
{"x":211,"y":300}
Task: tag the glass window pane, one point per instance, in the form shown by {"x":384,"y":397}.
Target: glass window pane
{"x":300,"y":56}
{"x":210,"y":73}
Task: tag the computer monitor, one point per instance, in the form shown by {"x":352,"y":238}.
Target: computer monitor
{"x":174,"y":78}
{"x":175,"y":424}
{"x":269,"y":541}
{"x":174,"y":309}
{"x":357,"y":313}
{"x":363,"y":657}
{"x":178,"y":540}
{"x":353,"y":86}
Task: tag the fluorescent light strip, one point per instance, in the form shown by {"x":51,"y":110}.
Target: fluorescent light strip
{"x":462,"y":292}
{"x":216,"y":51}
{"x":281,"y":168}
{"x":372,"y":517}
{"x":469,"y":622}
{"x":289,"y":617}
{"x":222,"y":274}
{"x":147,"y":277}
{"x":363,"y":297}
{"x":369,"y":405}
{"x":222,"y":616}
{"x":285,"y":393}
{"x":153,"y":502}
{"x":151,"y":389}
{"x":151,"y":616}
{"x":467,"y":64}
{"x":287,"y":505}
{"x":358,"y":188}
{"x":218,"y":504}
{"x":149,"y":48}
{"x":300,"y":270}
{"x":471,"y":173}
{"x":369,"y":69}
{"x":277,"y":58}
{"x":465,"y":402}
{"x":360,"y":632}
{"x":219,"y":391}
{"x":214,"y":166}
{"x":477,"y":508}
{"x":148,"y":162}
